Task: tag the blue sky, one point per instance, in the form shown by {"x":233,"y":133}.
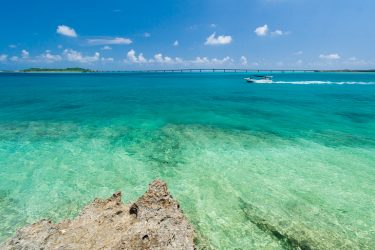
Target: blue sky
{"x":125,"y":35}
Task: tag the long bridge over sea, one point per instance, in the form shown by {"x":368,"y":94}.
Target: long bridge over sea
{"x":222,"y":70}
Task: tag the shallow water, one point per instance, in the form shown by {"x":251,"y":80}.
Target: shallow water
{"x":244,"y":160}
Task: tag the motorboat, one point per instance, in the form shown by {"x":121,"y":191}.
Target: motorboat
{"x":258,"y":79}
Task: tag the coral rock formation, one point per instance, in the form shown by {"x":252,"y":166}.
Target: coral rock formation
{"x":154,"y":221}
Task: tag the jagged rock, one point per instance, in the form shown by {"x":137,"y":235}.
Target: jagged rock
{"x":154,"y":221}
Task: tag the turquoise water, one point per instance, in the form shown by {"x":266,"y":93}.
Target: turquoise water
{"x":244,"y":160}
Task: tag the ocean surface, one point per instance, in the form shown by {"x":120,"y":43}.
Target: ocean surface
{"x":254,"y":166}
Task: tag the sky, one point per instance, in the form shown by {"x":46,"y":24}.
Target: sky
{"x":174,"y":34}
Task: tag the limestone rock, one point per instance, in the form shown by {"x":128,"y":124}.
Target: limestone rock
{"x":154,"y":221}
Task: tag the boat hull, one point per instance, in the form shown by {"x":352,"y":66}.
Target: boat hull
{"x":249,"y":80}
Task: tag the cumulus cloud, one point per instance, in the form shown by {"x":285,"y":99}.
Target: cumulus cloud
{"x":49,"y":57}
{"x":265,"y":31}
{"x":225,"y":60}
{"x":109,"y":41}
{"x":333,"y":56}
{"x":75,"y":56}
{"x":141,"y":58}
{"x":219,"y":40}
{"x":66,"y":31}
{"x":12,"y":46}
{"x":3,"y":58}
{"x":25,"y":54}
{"x":159,"y":58}
{"x":243,"y":60}
{"x":146,"y":34}
{"x":132,"y":57}
{"x":201,"y":60}
{"x":14,"y":58}
{"x":175,"y":43}
{"x":262,"y":30}
{"x":214,"y":61}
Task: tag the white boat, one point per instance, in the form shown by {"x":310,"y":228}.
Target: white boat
{"x":258,"y":79}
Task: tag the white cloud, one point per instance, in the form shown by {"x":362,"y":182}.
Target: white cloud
{"x":106,"y":48}
{"x":176,"y":43}
{"x":225,"y":60}
{"x":201,"y":60}
{"x":212,"y":25}
{"x":25,"y":54}
{"x":60,"y":46}
{"x":12,"y":46}
{"x":141,"y":58}
{"x":66,"y":31}
{"x":109,"y":41}
{"x":298,"y":53}
{"x":243,"y":60}
{"x":48,"y":57}
{"x":354,"y":61}
{"x":262,"y":30}
{"x":75,"y":56}
{"x":146,"y":34}
{"x":107,"y":59}
{"x":132,"y":57}
{"x":265,"y":31}
{"x":333,"y":56}
{"x":220,"y":40}
{"x":214,"y":61}
{"x":14,"y":58}
{"x":159,"y":58}
{"x":179,"y":60}
{"x":3,"y":58}
{"x":278,"y":33}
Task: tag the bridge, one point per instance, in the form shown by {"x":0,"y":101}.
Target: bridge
{"x":221,"y":70}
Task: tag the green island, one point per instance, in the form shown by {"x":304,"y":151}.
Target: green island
{"x":74,"y":70}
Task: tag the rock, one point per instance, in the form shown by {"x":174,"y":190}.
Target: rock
{"x":154,"y":221}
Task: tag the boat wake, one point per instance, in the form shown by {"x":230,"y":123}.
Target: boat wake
{"x":323,"y":82}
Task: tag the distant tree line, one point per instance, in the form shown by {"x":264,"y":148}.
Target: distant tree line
{"x":57,"y":70}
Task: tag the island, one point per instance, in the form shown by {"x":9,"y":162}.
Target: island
{"x":49,"y":70}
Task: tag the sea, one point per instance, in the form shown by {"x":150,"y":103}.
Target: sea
{"x":254,"y":166}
